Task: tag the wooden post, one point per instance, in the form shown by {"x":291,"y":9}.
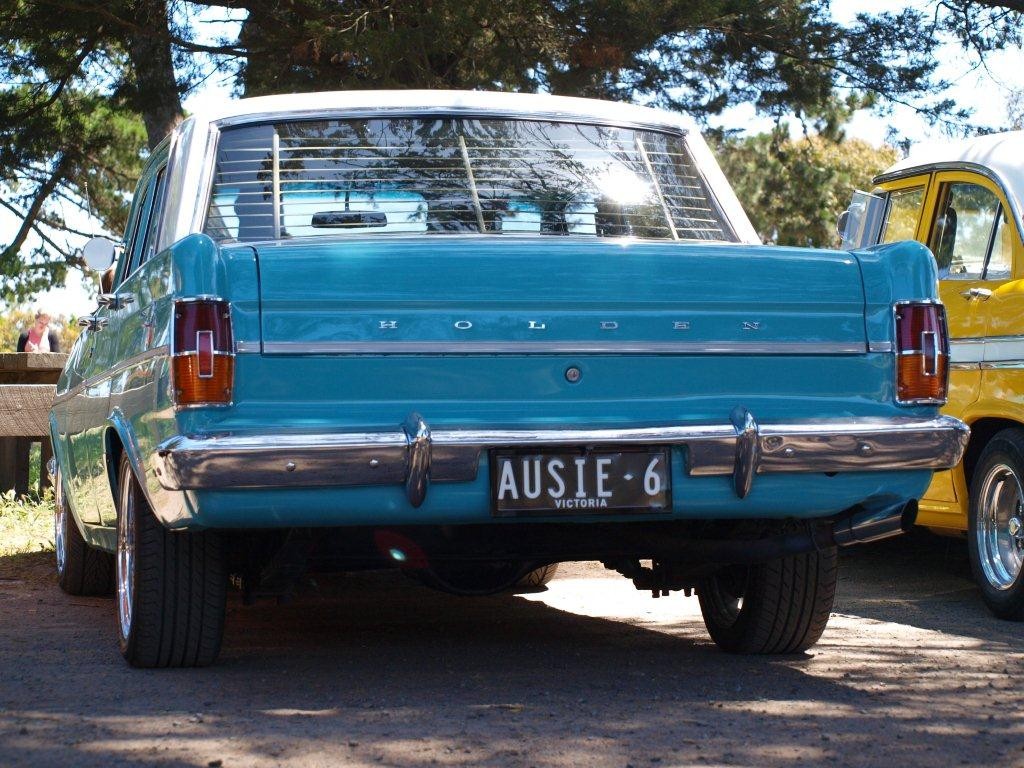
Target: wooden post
{"x":26,"y":394}
{"x":45,"y":454}
{"x":7,"y":452}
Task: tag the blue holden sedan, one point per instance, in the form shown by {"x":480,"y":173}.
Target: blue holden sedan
{"x":472,"y":336}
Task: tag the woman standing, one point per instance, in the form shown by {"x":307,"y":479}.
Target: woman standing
{"x":39,"y":337}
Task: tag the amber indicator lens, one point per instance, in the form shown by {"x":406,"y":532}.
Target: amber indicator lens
{"x":922,"y":363}
{"x":203,"y":353}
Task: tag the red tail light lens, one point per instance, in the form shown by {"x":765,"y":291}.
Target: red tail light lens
{"x":203,"y":353}
{"x":922,"y":354}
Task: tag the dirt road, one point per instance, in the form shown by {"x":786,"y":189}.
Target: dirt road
{"x":375,"y":670}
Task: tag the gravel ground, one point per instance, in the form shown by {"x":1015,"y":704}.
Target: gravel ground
{"x":375,"y":670}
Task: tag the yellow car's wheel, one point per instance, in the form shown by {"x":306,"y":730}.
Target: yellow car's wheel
{"x":996,"y":538}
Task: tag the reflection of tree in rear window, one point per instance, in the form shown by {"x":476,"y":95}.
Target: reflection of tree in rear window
{"x":447,"y":175}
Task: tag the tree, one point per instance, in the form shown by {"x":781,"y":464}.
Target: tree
{"x":794,"y":189}
{"x":1015,"y":110}
{"x":88,"y":84}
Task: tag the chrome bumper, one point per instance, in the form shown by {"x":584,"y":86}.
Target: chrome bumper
{"x":415,"y":454}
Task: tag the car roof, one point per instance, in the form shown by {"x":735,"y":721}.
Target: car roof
{"x":414,"y":101}
{"x":1001,"y":153}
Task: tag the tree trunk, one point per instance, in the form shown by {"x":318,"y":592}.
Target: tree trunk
{"x":149,"y":48}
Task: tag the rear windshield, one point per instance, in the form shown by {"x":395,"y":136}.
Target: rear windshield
{"x":455,"y":175}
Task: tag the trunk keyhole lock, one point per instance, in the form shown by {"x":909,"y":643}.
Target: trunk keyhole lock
{"x":573,"y":374}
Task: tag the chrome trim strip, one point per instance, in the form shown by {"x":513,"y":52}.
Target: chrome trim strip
{"x":987,"y":349}
{"x":965,"y":366}
{"x":248,"y":347}
{"x":966,"y":350}
{"x":130,"y":362}
{"x":413,"y":453}
{"x":880,"y":346}
{"x":560,"y":348}
{"x":1002,"y":365}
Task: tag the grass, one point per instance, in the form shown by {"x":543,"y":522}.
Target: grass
{"x":26,"y":524}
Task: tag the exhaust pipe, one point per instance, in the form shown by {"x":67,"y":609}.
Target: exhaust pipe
{"x":874,"y":525}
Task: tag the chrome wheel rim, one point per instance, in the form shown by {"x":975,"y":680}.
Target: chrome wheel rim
{"x":125,"y":560}
{"x":59,"y":520}
{"x":998,"y":527}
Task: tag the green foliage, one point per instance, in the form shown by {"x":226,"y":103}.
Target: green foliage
{"x":26,"y":524}
{"x":794,"y":190}
{"x":60,"y":164}
{"x":85,"y":88}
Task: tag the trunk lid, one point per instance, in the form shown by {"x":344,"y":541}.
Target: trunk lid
{"x":452,"y":295}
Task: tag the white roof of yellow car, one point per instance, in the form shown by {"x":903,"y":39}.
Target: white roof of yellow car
{"x":999,"y":156}
{"x":1001,"y":153}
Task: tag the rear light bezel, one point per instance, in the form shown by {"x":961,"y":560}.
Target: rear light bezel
{"x":941,"y":350}
{"x":226,"y":352}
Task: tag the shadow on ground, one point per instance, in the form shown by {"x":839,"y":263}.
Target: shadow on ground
{"x":375,"y":670}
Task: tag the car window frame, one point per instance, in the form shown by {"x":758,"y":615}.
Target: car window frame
{"x":942,"y":180}
{"x":151,"y":180}
{"x":903,"y":184}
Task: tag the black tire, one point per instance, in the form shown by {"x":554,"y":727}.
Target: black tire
{"x":781,"y":606}
{"x":538,"y":578}
{"x":995,"y":537}
{"x":81,"y":569}
{"x":171,"y":587}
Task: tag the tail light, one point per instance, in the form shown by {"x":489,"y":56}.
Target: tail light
{"x":203,"y":353}
{"x":922,"y":353}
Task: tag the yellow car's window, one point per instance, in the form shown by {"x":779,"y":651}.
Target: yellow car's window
{"x":902,"y":214}
{"x":962,"y":231}
{"x":999,"y":263}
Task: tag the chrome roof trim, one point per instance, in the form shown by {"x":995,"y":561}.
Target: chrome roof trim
{"x":256,"y":118}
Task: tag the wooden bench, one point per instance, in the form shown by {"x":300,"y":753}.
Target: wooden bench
{"x":26,"y":393}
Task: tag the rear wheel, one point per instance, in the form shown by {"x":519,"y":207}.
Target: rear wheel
{"x":781,"y":606}
{"x":996,"y":524}
{"x":81,"y":569}
{"x":171,"y":587}
{"x":538,"y":578}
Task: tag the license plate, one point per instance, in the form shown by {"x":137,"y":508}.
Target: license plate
{"x":581,"y":482}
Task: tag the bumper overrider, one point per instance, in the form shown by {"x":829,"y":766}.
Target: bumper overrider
{"x":414,"y":455}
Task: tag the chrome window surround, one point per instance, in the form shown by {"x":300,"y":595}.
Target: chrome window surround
{"x":416,"y":455}
{"x":201,"y":180}
{"x":698,"y":155}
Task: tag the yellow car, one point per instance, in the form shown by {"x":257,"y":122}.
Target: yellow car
{"x":965,"y":202}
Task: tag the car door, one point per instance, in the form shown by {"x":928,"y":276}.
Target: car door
{"x":970,"y":233}
{"x":92,"y":486}
{"x":130,"y":323}
{"x":909,"y":214}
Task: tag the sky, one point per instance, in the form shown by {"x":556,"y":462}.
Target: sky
{"x":982,"y":89}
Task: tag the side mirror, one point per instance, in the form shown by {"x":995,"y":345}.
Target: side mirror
{"x":841,"y":222}
{"x":99,"y":253}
